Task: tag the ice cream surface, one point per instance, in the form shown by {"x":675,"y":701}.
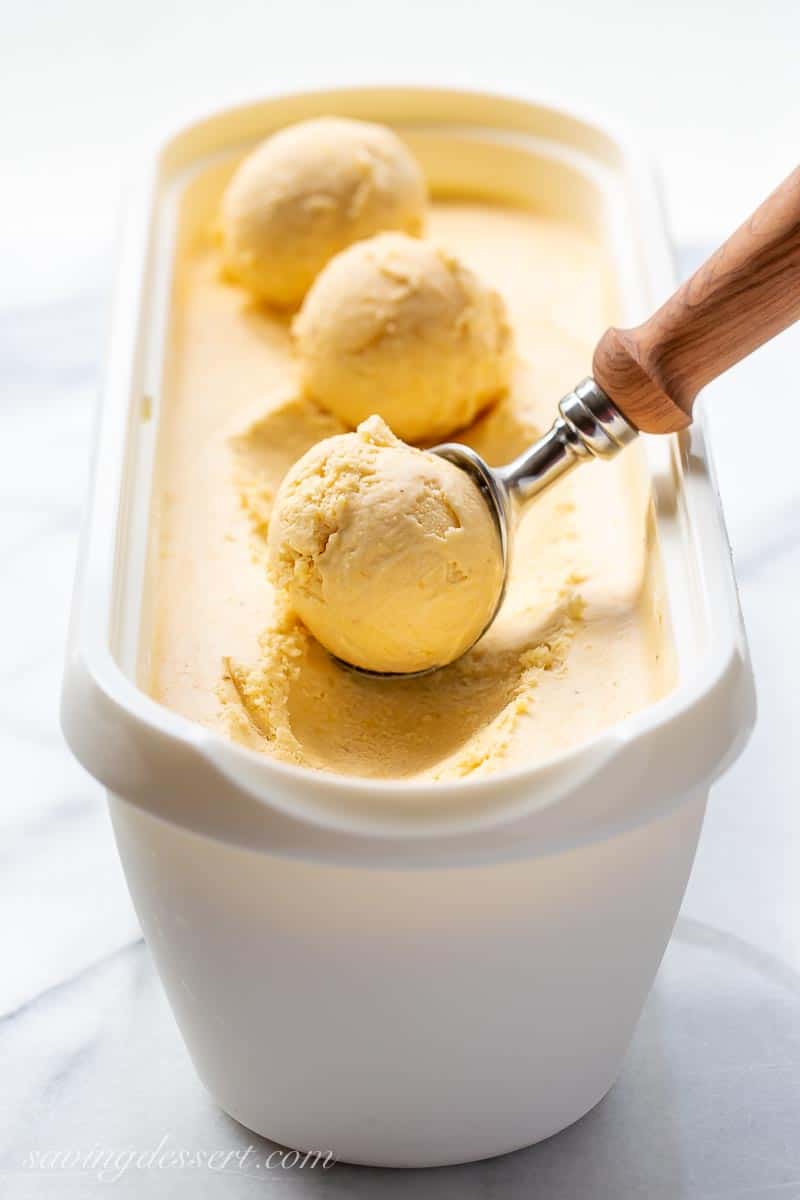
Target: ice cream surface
{"x":402,"y":327}
{"x":390,"y":555}
{"x":309,"y":191}
{"x":582,"y":639}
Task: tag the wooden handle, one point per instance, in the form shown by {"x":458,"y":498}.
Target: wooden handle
{"x":748,"y":291}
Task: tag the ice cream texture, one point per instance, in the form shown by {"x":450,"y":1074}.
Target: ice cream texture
{"x":582,"y":639}
{"x":401,"y":327}
{"x":390,"y":555}
{"x":309,"y":191}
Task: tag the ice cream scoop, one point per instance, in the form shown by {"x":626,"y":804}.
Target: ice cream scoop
{"x":646,"y":379}
{"x":397,"y":326}
{"x":388,"y":554}
{"x":309,"y":191}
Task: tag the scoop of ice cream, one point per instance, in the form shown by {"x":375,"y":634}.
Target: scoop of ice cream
{"x":389,"y":555}
{"x":396,"y":326}
{"x":308,"y":192}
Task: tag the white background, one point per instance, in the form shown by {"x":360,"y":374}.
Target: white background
{"x":710,"y":88}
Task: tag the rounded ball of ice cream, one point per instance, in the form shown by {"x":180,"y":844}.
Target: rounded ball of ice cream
{"x":398,"y":327}
{"x":389,"y":555}
{"x":308,"y":192}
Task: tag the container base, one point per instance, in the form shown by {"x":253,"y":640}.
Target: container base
{"x":407,"y":1018}
{"x":409,"y":1158}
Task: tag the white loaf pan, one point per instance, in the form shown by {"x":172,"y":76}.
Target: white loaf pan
{"x":404,"y":974}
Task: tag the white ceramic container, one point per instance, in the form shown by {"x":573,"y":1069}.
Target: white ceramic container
{"x":404,"y":974}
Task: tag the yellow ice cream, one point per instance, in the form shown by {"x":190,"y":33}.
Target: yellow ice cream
{"x":389,"y":555}
{"x":308,"y":192}
{"x":582,"y":639}
{"x":398,"y":326}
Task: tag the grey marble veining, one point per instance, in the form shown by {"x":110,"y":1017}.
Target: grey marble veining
{"x":709,"y":1101}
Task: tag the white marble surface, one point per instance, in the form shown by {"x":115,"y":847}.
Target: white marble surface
{"x":709,"y":1101}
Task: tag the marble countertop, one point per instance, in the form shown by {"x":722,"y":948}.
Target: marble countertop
{"x":708,"y":1104}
